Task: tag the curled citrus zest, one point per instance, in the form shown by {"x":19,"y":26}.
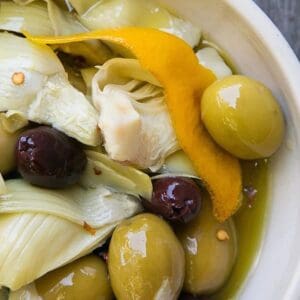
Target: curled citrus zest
{"x":176,"y":67}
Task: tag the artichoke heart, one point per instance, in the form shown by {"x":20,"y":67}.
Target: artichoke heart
{"x":49,"y":228}
{"x":134,"y":119}
{"x":34,"y":83}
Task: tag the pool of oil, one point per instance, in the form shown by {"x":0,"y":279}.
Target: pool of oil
{"x":249,"y":221}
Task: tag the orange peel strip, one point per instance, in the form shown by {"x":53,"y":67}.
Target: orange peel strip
{"x":175,"y":65}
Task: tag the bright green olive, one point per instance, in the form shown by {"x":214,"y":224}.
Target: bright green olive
{"x":243,"y":117}
{"x":210,"y":251}
{"x":85,"y":278}
{"x":7,"y":150}
{"x":145,"y":261}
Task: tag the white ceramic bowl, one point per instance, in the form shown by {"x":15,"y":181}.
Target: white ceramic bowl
{"x":258,"y":49}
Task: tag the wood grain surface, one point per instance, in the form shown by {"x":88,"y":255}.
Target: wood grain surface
{"x":286,"y":15}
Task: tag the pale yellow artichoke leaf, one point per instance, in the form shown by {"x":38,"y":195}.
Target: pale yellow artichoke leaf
{"x":81,"y":6}
{"x":101,"y":170}
{"x":140,"y":13}
{"x":36,"y":63}
{"x":59,"y":104}
{"x":33,"y":244}
{"x":212,"y":60}
{"x":178,"y":163}
{"x":65,"y":23}
{"x":97,"y":207}
{"x":32,"y":18}
{"x":62,"y":21}
{"x":39,"y":228}
{"x":87,"y":75}
{"x":13,"y":120}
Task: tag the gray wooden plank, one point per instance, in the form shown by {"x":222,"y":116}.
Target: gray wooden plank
{"x":286,"y":15}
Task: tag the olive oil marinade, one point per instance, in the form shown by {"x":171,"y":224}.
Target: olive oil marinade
{"x":249,"y":223}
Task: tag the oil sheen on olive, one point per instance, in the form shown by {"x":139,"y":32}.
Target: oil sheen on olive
{"x":85,"y":278}
{"x":243,"y":117}
{"x":177,"y":199}
{"x":209,"y":260}
{"x":48,"y":158}
{"x":146,"y":260}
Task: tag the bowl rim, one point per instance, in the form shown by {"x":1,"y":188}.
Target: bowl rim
{"x":271,"y":38}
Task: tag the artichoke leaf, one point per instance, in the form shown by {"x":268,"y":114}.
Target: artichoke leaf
{"x":97,"y":207}
{"x":32,"y":18}
{"x":38,"y":18}
{"x":134,"y":135}
{"x":178,"y":163}
{"x":62,"y":21}
{"x":45,"y":96}
{"x":81,"y":6}
{"x":140,"y":13}
{"x":101,"y":170}
{"x":212,"y":60}
{"x":34,"y":244}
{"x":41,"y":230}
{"x":36,"y":63}
{"x":87,"y":75}
{"x":59,"y":104}
{"x":47,"y":18}
{"x":13,"y":120}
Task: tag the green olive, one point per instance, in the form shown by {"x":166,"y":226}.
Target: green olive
{"x":210,"y":251}
{"x":85,"y":278}
{"x":7,"y":150}
{"x":243,"y":117}
{"x":145,"y":261}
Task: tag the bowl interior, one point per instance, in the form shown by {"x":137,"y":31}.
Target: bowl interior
{"x":257,"y":49}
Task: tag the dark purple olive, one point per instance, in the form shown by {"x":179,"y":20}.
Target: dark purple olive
{"x":48,"y":158}
{"x":177,"y":199}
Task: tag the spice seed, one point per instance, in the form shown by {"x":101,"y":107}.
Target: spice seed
{"x":18,"y":78}
{"x":222,"y":235}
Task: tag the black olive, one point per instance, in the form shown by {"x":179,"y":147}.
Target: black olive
{"x":177,"y":199}
{"x":48,"y":158}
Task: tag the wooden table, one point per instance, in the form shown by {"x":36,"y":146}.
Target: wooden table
{"x":286,"y":15}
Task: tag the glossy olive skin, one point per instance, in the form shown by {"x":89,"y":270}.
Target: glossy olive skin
{"x":145,"y":260}
{"x":177,"y":199}
{"x":7,"y":150}
{"x":243,"y":117}
{"x":48,"y":158}
{"x":85,"y":278}
{"x":209,"y":260}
